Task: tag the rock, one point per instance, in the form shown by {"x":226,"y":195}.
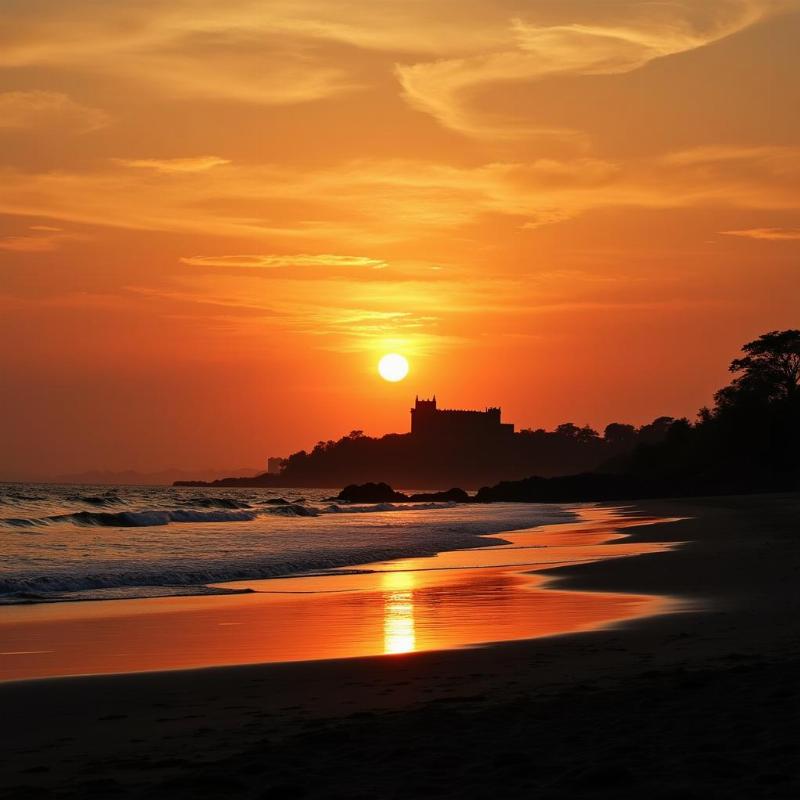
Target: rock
{"x":454,"y":495}
{"x":370,"y":493}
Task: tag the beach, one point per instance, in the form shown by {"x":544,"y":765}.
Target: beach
{"x":696,"y":699}
{"x":490,"y":591}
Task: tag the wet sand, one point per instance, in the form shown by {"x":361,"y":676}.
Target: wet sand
{"x":700,"y":703}
{"x":455,"y":599}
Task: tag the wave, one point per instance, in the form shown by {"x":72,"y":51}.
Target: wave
{"x":245,"y":513}
{"x":132,"y":519}
{"x":114,"y":593}
{"x":293,"y":510}
{"x":215,"y":502}
{"x":299,"y":510}
{"x":105,"y":500}
{"x":108,"y":564}
{"x":142,"y":582}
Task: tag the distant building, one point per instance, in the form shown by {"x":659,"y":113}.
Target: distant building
{"x":440,"y":423}
{"x":274,"y":465}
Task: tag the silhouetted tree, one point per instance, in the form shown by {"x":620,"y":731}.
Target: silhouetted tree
{"x":619,"y":435}
{"x":569,"y":430}
{"x":749,"y":440}
{"x":656,"y":431}
{"x":588,"y":435}
{"x":768,"y":372}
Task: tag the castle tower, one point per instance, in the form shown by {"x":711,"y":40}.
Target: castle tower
{"x":432,"y":422}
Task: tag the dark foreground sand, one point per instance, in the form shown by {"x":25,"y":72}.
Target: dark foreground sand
{"x":703,"y":704}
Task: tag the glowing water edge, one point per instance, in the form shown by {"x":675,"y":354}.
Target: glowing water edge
{"x":454,"y":599}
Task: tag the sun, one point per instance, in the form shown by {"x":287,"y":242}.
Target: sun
{"x":393,"y":367}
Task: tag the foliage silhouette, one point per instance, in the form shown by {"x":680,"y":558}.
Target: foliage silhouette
{"x":409,"y":461}
{"x":748,"y":442}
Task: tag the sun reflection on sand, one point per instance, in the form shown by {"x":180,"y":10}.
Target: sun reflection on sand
{"x":458,"y":598}
{"x":399,"y":635}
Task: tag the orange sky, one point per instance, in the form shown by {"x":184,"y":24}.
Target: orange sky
{"x":215,"y":217}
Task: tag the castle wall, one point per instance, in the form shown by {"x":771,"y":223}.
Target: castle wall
{"x":428,"y":420}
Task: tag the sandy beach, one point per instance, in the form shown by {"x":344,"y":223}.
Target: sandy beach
{"x":699,"y":702}
{"x":491,"y":591}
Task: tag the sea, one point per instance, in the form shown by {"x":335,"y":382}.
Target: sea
{"x":68,"y":543}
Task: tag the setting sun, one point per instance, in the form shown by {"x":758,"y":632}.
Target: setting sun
{"x":393,"y":367}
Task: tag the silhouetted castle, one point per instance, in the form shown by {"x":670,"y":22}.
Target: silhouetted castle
{"x":431,"y":422}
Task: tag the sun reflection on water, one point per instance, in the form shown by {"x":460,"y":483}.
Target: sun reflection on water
{"x":399,"y":635}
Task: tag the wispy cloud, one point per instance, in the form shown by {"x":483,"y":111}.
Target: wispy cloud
{"x":371,"y":202}
{"x":768,"y":234}
{"x":28,"y":244}
{"x":20,"y":110}
{"x":168,"y":165}
{"x":194,"y":49}
{"x":43,"y":239}
{"x":625,"y":37}
{"x":278,"y":261}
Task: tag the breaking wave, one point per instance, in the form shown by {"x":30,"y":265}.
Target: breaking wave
{"x":68,"y":543}
{"x":105,"y":500}
{"x":216,"y":502}
{"x":151,"y":518}
{"x":140,"y":582}
{"x":131,"y":519}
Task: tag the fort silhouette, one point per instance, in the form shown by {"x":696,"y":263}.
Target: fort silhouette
{"x":450,"y":447}
{"x":429,"y":421}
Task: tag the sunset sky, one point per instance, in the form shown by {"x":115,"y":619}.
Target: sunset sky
{"x":216,"y":217}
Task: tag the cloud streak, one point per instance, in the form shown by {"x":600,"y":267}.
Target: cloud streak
{"x":44,"y":239}
{"x":767,"y":234}
{"x":282,"y":261}
{"x":170,"y":165}
{"x":376,"y":202}
{"x":626,"y":37}
{"x":184,"y":49}
{"x":40,"y":109}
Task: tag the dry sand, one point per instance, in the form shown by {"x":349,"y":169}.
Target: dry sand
{"x":701,"y":704}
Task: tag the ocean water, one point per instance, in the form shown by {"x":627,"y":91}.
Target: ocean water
{"x":62,"y":543}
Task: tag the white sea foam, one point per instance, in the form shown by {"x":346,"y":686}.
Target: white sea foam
{"x":59,"y":546}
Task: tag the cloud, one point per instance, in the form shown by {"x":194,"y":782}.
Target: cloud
{"x":45,"y":239}
{"x":240,"y":67}
{"x":277,"y":261}
{"x":28,"y":244}
{"x":776,"y":159}
{"x":23,"y":110}
{"x":168,"y":165}
{"x":47,"y":36}
{"x":767,"y":234}
{"x":574,"y":42}
{"x":345,"y":316}
{"x":447,"y":53}
{"x":182,"y":50}
{"x":371,"y":202}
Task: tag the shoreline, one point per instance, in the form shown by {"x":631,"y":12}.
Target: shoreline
{"x":410,"y":604}
{"x":181,"y":558}
{"x":699,"y":705}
